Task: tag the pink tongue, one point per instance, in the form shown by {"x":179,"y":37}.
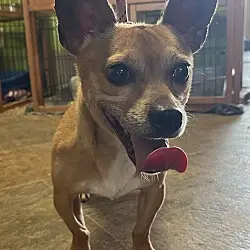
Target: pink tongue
{"x":153,"y":156}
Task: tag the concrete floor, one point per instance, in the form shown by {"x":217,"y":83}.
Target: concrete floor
{"x":208,"y":208}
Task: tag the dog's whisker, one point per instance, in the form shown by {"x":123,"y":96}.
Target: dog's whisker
{"x":189,"y":131}
{"x":191,"y":115}
{"x":190,"y":124}
{"x":191,"y":118}
{"x":191,"y":128}
{"x":157,"y":176}
{"x":185,"y":136}
{"x":145,"y":177}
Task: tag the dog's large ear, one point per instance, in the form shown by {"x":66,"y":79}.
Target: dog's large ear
{"x":191,"y":19}
{"x":78,"y":19}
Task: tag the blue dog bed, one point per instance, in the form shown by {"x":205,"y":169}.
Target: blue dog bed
{"x":14,"y":80}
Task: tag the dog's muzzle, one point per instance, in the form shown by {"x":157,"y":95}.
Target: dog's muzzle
{"x":150,"y":155}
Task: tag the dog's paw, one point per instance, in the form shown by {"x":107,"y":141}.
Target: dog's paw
{"x":85,"y":198}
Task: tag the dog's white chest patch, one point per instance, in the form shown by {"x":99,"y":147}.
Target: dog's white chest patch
{"x":119,"y":180}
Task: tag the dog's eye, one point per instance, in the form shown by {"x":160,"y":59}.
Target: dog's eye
{"x":180,"y":73}
{"x":119,"y":74}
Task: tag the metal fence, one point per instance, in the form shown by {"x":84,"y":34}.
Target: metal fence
{"x":10,"y":2}
{"x":12,"y":47}
{"x":210,"y":62}
{"x":57,"y":65}
{"x":14,"y":72}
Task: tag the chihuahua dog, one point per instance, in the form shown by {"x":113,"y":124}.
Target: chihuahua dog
{"x":135,"y":80}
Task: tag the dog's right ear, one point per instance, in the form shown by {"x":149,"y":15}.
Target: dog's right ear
{"x":78,"y":19}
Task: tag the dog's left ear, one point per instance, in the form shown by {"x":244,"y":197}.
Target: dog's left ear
{"x":191,"y":19}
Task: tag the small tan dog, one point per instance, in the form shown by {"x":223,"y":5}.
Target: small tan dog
{"x":135,"y":82}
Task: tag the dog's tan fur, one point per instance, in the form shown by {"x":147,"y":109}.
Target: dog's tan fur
{"x":87,"y":157}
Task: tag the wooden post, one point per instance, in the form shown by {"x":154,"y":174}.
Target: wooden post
{"x":46,"y":56}
{"x":238,"y":48}
{"x":36,"y":59}
{"x":31,"y":56}
{"x":230,"y":54}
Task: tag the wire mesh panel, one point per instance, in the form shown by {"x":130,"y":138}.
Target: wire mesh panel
{"x":4,"y":3}
{"x":12,"y":47}
{"x":210,"y":63}
{"x":57,"y":65}
{"x":150,"y":17}
{"x":14,"y":72}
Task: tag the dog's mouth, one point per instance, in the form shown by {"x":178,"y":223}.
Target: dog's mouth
{"x":149,"y":156}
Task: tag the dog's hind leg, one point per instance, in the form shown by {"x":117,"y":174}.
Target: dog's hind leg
{"x":149,"y":203}
{"x":69,"y":207}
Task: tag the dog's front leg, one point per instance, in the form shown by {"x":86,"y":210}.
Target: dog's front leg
{"x":69,"y":207}
{"x":149,"y":203}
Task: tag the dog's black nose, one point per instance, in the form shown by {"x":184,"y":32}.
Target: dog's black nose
{"x":168,"y":120}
